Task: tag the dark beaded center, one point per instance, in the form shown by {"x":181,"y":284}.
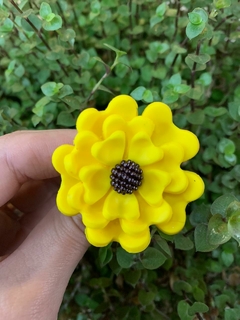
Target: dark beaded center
{"x":126,"y":177}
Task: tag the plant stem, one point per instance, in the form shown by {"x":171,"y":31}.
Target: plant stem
{"x":75,"y":16}
{"x":176,"y":20}
{"x":130,"y":20}
{"x":31,"y":24}
{"x":39,"y":34}
{"x":62,"y":13}
{"x":218,"y":25}
{"x":194,"y":66}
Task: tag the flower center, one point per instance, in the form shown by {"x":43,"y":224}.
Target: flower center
{"x":126,"y":177}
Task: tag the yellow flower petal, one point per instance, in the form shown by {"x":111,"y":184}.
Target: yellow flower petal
{"x":112,"y":124}
{"x":123,"y":105}
{"x":96,"y":182}
{"x":121,"y":206}
{"x":149,"y":215}
{"x":62,"y":196}
{"x":113,"y":232}
{"x":142,"y":151}
{"x":71,"y":163}
{"x":141,"y":124}
{"x":92,"y":215}
{"x":84,"y":141}
{"x":173,"y":156}
{"x":58,"y":157}
{"x":111,"y":150}
{"x":134,"y":243}
{"x":154,"y":214}
{"x":133,"y":226}
{"x":165,"y":131}
{"x":102,"y":237}
{"x":75,"y":196}
{"x":179,"y":202}
{"x":91,"y":120}
{"x":153,"y":185}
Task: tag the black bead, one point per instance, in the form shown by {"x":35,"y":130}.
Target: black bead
{"x":126,"y":177}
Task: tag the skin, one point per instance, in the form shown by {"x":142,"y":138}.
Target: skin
{"x":39,"y":250}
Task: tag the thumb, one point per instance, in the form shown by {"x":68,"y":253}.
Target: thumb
{"x":43,"y":264}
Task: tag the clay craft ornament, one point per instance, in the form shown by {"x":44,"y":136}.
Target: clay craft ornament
{"x":123,"y":173}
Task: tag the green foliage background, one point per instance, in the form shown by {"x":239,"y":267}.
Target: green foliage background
{"x":59,"y":57}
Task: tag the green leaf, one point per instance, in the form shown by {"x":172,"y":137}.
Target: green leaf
{"x":170,"y":96}
{"x":201,"y":239}
{"x":49,"y":89}
{"x":54,"y":24}
{"x":152,"y":258}
{"x":19,"y":71}
{"x":202,"y":13}
{"x":45,"y":10}
{"x":181,"y":286}
{"x":6,"y":27}
{"x":65,"y":119}
{"x":183,"y":243}
{"x":161,"y":9}
{"x":124,"y":258}
{"x":200,"y":214}
{"x":198,"y":294}
{"x":163,"y":244}
{"x":218,"y":230}
{"x":181,"y":88}
{"x":196,"y":117}
{"x":132,"y":276}
{"x":195,"y":94}
{"x":145,"y":298}
{"x":231,"y":314}
{"x":95,"y":6}
{"x":220,"y":205}
{"x":83,"y":300}
{"x":105,"y":255}
{"x":137,"y":93}
{"x":182,"y":310}
{"x":50,"y":17}
{"x":232,"y":209}
{"x":147,"y":96}
{"x":198,"y":307}
{"x":200,"y":59}
{"x":226,"y":146}
{"x":215,"y":111}
{"x":234,"y":110}
{"x":38,"y":109}
{"x":205,"y":79}
{"x":66,"y":90}
{"x":195,"y":18}
{"x":117,"y":51}
{"x":35,"y":120}
{"x":67,"y":35}
{"x":190,"y":63}
{"x":234,"y":227}
{"x":175,"y":79}
{"x":34,"y":20}
{"x":220,"y":4}
{"x":155,"y":20}
{"x":192,"y":30}
{"x":231,"y":159}
{"x":227,"y":258}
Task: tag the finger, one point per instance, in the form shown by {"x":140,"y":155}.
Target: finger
{"x":27,"y":156}
{"x":29,"y":200}
{"x":48,"y":257}
{"x":9,"y":226}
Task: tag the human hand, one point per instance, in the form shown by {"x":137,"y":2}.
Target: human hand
{"x":39,"y":247}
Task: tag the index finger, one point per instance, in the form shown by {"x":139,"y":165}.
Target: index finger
{"x":26,"y":155}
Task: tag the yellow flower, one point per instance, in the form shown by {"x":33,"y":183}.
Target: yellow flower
{"x":123,"y":173}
